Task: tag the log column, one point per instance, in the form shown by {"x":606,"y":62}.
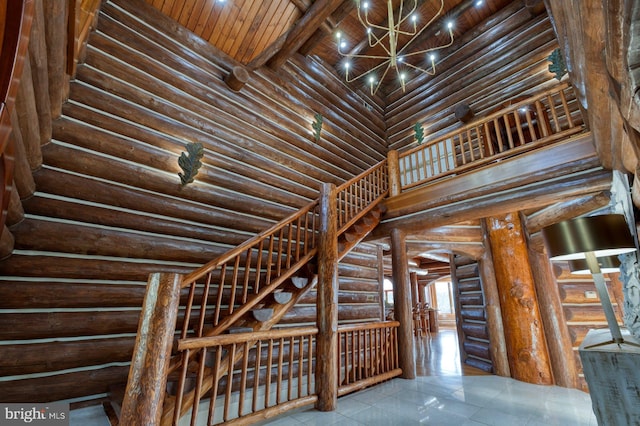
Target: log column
{"x":402,"y":304}
{"x":413,"y":277}
{"x":327,"y":302}
{"x":523,"y":330}
{"x":563,"y":359}
{"x":497,"y":344}
{"x":380,"y":258}
{"x":147,"y":382}
{"x":395,"y":184}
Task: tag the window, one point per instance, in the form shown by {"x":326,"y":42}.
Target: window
{"x":444,"y":297}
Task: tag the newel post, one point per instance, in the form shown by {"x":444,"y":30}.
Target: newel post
{"x":327,"y":302}
{"x":395,"y":186}
{"x":147,"y":381}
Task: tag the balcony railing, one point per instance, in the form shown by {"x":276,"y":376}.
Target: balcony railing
{"x":520,"y":127}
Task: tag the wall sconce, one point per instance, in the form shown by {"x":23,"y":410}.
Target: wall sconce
{"x":587,"y":240}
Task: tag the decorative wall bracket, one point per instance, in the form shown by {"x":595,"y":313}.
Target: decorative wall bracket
{"x":190,"y":163}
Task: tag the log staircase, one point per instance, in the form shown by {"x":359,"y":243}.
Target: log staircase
{"x":250,"y":288}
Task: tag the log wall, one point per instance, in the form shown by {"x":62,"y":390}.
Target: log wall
{"x":107,"y":207}
{"x":503,"y":57}
{"x":582,"y":307}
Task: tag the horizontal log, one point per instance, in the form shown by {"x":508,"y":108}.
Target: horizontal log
{"x":45,"y":325}
{"x":471,"y":299}
{"x":41,"y":205}
{"x":478,"y":349}
{"x":42,"y":294}
{"x":73,"y":186}
{"x":84,"y":268}
{"x":480,"y":364}
{"x":159,"y":181}
{"x":352,"y":271}
{"x":308,"y":314}
{"x":477,"y":314}
{"x":586,"y":313}
{"x":575,"y":292}
{"x":344,"y":297}
{"x":63,"y":386}
{"x":469,"y":284}
{"x":29,"y":358}
{"x":81,"y":239}
{"x":162,"y":152}
{"x":475,"y":330}
{"x":355,"y":284}
{"x":469,"y":270}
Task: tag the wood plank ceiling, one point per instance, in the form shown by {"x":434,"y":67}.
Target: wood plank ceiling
{"x":249,"y":30}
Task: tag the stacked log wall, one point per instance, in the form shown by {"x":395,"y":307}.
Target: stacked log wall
{"x":583,"y":310}
{"x":108,"y":207}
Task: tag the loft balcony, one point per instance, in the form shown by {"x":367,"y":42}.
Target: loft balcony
{"x":531,"y":153}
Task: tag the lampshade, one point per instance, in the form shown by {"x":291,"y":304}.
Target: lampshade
{"x":607,"y":264}
{"x":604,"y":235}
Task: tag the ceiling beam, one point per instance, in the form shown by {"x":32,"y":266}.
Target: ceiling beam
{"x":304,"y":28}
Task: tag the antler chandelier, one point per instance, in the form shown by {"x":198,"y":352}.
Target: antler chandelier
{"x":402,"y":24}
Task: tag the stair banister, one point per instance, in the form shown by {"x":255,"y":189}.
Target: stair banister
{"x":146,"y":387}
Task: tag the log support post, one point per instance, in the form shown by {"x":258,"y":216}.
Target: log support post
{"x":394,"y":173}
{"x":561,"y":353}
{"x":497,"y":344}
{"x":380,"y":258}
{"x":402,"y":304}
{"x":327,"y":302}
{"x":413,"y":277}
{"x":524,"y":333}
{"x":145,"y":392}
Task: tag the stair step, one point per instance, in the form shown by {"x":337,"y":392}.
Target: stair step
{"x":263,"y":314}
{"x":300,"y":282}
{"x":282,"y":297}
{"x":350,"y":236}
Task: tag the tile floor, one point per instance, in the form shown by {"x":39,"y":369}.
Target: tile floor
{"x":444,"y":393}
{"x":453,"y":400}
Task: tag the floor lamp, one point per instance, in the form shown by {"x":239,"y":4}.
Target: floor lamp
{"x":591,"y":241}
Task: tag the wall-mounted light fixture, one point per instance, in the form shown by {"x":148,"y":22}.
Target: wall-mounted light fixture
{"x":589,"y":239}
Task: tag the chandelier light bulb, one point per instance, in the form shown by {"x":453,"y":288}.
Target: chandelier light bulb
{"x":338,"y":35}
{"x":392,"y":42}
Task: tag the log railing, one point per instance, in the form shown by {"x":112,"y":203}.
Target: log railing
{"x":360,"y":194}
{"x":368,"y":354}
{"x":253,"y":375}
{"x":520,"y":127}
{"x":232,"y":284}
{"x":223,"y":291}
